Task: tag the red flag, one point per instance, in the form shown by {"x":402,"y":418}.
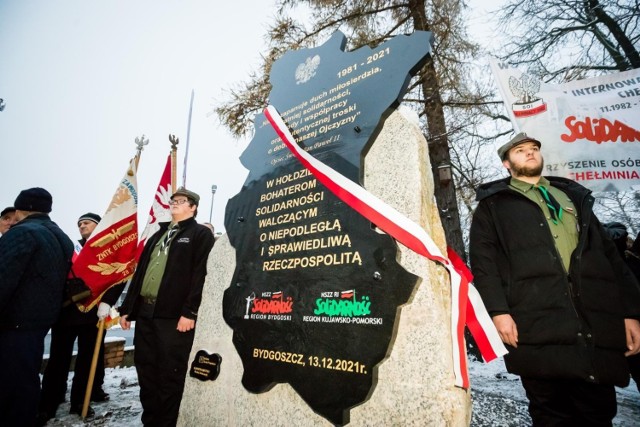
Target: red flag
{"x":346,"y":294}
{"x":160,"y":210}
{"x":108,"y":257}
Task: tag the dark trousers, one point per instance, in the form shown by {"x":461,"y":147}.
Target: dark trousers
{"x":161,"y":358}
{"x":570,"y":402}
{"x":54,"y":380}
{"x":20,"y":361}
{"x":634,"y":368}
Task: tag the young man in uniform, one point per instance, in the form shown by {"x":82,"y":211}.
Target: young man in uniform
{"x":559,"y":293}
{"x":163,"y":299}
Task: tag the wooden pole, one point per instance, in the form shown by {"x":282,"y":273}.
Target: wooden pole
{"x":174,"y":158}
{"x":92,"y":371}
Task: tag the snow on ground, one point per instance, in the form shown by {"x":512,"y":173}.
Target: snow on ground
{"x":123,"y":408}
{"x":498,"y":400}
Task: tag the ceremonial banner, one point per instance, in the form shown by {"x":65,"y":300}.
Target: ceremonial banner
{"x":108,"y":257}
{"x":589,"y":129}
{"x":160,"y":210}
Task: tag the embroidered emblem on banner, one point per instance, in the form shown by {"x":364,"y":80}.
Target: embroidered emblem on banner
{"x":525,"y":89}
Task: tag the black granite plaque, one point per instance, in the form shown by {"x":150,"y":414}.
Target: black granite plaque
{"x":316,"y":290}
{"x":205,"y":366}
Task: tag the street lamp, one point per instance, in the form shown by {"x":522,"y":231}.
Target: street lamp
{"x":213,"y":193}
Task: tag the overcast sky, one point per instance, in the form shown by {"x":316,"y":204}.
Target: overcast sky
{"x":82,"y":79}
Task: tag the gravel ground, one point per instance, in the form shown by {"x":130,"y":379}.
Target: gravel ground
{"x":498,"y":401}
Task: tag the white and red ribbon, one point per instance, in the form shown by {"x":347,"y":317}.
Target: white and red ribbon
{"x":466,"y":305}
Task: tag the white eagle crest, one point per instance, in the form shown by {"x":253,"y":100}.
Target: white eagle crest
{"x":306,"y":70}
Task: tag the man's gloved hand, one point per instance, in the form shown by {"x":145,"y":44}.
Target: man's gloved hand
{"x":103,"y":310}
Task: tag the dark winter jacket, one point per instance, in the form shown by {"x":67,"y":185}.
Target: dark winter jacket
{"x":34,"y":262}
{"x":633,"y":259}
{"x":71,"y":315}
{"x":180,"y":290}
{"x":633,"y":262}
{"x":570,"y":324}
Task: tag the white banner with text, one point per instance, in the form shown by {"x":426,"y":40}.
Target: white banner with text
{"x":589,"y":129}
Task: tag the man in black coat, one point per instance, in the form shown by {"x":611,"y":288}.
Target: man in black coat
{"x":632,"y":257}
{"x":36,"y":256}
{"x":559,"y":293}
{"x":75,"y":324}
{"x":163,"y":298}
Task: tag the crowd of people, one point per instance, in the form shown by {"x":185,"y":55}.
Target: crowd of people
{"x":561,"y":288}
{"x":163,"y":298}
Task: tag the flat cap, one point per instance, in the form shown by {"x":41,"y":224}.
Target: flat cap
{"x":188,"y":194}
{"x":520,"y":138}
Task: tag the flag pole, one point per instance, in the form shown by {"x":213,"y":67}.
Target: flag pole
{"x":174,"y":158}
{"x":186,"y":149}
{"x":140,"y":143}
{"x":92,"y":371}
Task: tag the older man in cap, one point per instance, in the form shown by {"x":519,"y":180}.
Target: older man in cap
{"x":36,"y":256}
{"x":7,"y":219}
{"x":163,"y":299}
{"x":75,"y":324}
{"x":558,"y":292}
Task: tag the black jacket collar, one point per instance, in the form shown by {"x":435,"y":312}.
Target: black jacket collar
{"x":569,"y":186}
{"x":181,"y":224}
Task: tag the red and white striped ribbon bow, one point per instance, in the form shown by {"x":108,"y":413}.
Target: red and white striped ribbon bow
{"x":466,"y":305}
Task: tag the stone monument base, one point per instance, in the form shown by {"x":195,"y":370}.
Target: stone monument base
{"x":415,"y":383}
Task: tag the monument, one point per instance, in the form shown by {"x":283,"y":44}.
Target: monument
{"x":313,"y":312}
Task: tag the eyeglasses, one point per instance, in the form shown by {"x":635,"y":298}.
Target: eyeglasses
{"x":178,"y":202}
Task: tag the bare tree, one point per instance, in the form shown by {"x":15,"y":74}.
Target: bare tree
{"x":569,"y":38}
{"x":623,"y":207}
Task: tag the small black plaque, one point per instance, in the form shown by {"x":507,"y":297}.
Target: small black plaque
{"x":205,"y":366}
